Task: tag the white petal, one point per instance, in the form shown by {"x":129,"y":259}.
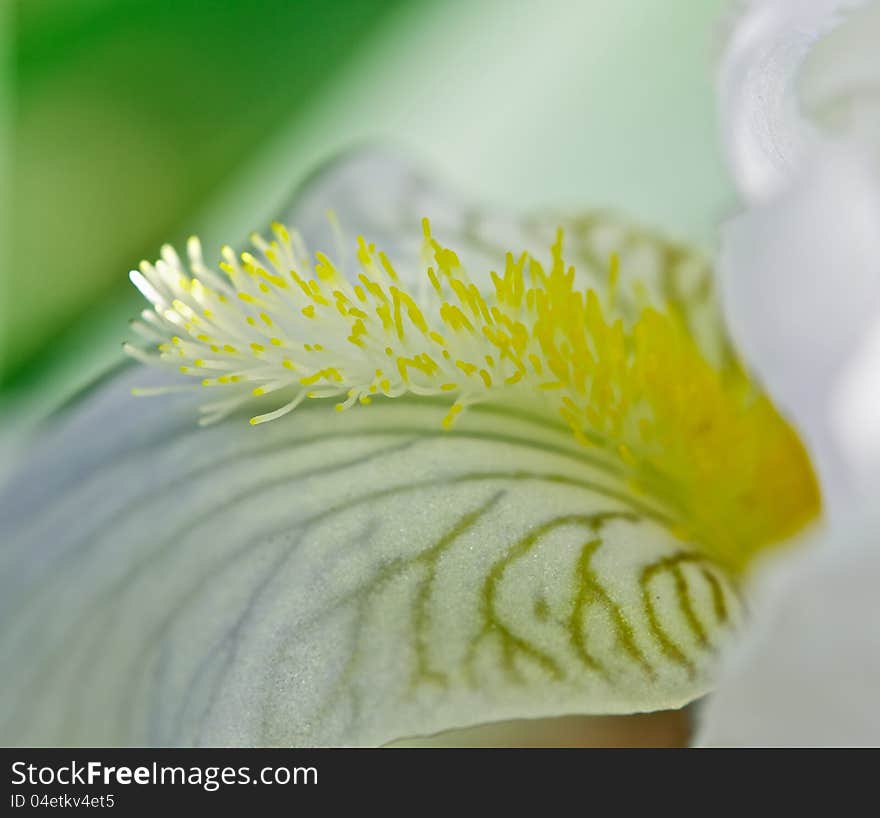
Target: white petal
{"x":333,"y":579}
{"x":800,"y":286}
{"x":766,"y":135}
{"x":840,"y":81}
{"x":808,"y":670}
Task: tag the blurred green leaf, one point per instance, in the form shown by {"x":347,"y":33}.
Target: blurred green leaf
{"x":128,"y":115}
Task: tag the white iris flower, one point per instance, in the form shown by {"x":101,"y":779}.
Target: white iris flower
{"x":514,"y":468}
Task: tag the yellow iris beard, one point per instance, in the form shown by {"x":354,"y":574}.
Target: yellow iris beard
{"x":695,"y":437}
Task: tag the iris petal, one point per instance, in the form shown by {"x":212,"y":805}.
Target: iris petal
{"x":340,"y":580}
{"x":765,"y":132}
{"x":351,"y":578}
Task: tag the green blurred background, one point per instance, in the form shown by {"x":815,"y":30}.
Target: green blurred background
{"x":127,"y":123}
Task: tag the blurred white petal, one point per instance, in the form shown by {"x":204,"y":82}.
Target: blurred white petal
{"x":765,"y":133}
{"x":800,"y":269}
{"x":808,"y":671}
{"x":800,"y":280}
{"x":840,"y":80}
